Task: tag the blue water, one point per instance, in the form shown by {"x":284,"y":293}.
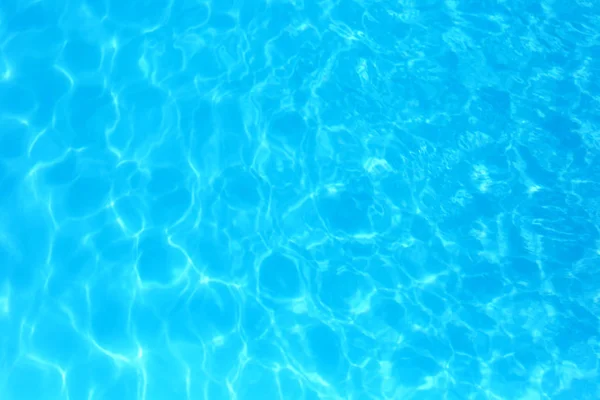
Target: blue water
{"x":299,"y":199}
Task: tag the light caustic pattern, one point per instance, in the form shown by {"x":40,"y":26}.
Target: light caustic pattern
{"x":299,"y":199}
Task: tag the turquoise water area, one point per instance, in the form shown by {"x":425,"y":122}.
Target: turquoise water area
{"x":300,"y":199}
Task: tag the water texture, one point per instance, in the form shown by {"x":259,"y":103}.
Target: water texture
{"x":301,"y":199}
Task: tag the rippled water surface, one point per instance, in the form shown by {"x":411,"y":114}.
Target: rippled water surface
{"x":301,"y":199}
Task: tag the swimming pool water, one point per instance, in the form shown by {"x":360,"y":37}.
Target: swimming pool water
{"x":301,"y":199}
